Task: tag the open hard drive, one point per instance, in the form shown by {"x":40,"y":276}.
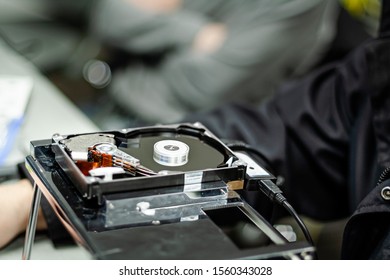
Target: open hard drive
{"x":158,"y":192}
{"x":145,"y":159}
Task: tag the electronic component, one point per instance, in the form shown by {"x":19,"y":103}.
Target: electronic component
{"x":172,"y":187}
{"x":181,"y":155}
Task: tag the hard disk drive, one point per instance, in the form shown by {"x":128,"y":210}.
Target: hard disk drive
{"x":158,"y":192}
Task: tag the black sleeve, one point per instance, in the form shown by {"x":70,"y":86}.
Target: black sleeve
{"x":305,"y":133}
{"x":379,"y":76}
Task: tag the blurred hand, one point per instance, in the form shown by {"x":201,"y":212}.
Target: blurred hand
{"x":210,"y":38}
{"x":15,"y":204}
{"x":159,"y":6}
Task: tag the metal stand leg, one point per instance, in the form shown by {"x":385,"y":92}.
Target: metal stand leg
{"x":32,"y":223}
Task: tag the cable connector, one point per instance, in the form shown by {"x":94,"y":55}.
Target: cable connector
{"x":272,"y":191}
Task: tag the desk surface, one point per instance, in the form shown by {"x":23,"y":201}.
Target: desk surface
{"x":48,"y":112}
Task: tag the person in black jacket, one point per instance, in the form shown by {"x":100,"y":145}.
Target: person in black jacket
{"x":328,"y":136}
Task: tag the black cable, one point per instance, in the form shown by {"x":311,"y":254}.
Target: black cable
{"x":271,"y":190}
{"x":301,"y":224}
{"x":274,"y":193}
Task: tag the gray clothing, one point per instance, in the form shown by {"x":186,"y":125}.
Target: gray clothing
{"x":267,"y":41}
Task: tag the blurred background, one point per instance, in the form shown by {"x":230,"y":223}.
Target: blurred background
{"x":125,"y":63}
{"x":121,"y":76}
